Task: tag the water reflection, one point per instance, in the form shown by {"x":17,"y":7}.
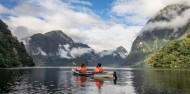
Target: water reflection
{"x":98,"y":83}
{"x":81,"y":80}
{"x":61,"y":81}
{"x":162,"y":81}
{"x":44,"y":80}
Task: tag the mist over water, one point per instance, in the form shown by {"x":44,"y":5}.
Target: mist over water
{"x":59,"y":80}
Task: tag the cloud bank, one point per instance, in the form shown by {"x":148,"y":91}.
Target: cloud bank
{"x":176,"y":22}
{"x":65,"y":52}
{"x":81,"y":23}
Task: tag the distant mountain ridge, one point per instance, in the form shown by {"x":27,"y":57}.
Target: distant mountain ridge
{"x":55,"y":48}
{"x":12,"y":52}
{"x":113,"y":58}
{"x":159,"y":31}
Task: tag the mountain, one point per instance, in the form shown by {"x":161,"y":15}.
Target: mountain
{"x":12,"y":52}
{"x":167,"y":25}
{"x":55,"y":48}
{"x":112,"y":58}
{"x":175,"y":55}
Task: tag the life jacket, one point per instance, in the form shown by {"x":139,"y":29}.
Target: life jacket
{"x":78,"y":68}
{"x":83,"y":70}
{"x":98,"y":69}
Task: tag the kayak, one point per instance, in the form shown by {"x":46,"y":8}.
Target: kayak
{"x":98,"y":75}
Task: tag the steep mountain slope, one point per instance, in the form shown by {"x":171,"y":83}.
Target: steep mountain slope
{"x":170,"y":23}
{"x":55,"y":48}
{"x":12,"y":52}
{"x":176,"y":54}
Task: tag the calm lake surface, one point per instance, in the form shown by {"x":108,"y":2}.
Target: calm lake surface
{"x":59,"y":80}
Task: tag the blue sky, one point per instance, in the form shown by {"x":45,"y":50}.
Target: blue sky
{"x":102,"y":24}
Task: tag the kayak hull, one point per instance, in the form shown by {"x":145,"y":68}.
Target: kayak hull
{"x":98,"y":75}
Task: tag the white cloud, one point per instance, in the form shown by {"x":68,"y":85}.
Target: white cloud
{"x":122,"y":55}
{"x":141,"y":9}
{"x":85,"y":27}
{"x":39,"y":52}
{"x":72,"y":53}
{"x":112,"y":37}
{"x":80,"y":2}
{"x":66,"y":46}
{"x":77,"y":52}
{"x":106,"y":52}
{"x":81,"y":23}
{"x":63,"y":54}
{"x":176,"y":22}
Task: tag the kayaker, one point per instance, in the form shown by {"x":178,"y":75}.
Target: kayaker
{"x":81,"y":69}
{"x":98,"y":68}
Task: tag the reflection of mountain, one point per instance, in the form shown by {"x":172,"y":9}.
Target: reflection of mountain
{"x":12,"y":52}
{"x":56,"y":48}
{"x":161,"y":82}
{"x":170,"y":23}
{"x":7,"y":81}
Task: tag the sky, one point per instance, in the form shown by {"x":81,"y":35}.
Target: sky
{"x":102,"y":24}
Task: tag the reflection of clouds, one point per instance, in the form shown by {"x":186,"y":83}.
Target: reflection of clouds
{"x":61,"y":80}
{"x":124,"y":84}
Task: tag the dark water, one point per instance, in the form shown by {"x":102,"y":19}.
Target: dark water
{"x":61,"y":81}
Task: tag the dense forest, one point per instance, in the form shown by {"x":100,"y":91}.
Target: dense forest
{"x":12,"y":52}
{"x":175,"y":55}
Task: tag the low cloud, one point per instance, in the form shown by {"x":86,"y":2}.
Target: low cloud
{"x":105,"y":53}
{"x":65,"y":52}
{"x":122,"y":55}
{"x":176,"y":22}
{"x":21,"y":32}
{"x":111,"y":52}
{"x":39,"y":52}
{"x":77,"y":52}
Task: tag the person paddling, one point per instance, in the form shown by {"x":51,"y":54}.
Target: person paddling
{"x":99,"y":68}
{"x":81,"y":69}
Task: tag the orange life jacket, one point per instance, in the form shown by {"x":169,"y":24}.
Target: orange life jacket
{"x":78,"y":68}
{"x":83,"y":70}
{"x":98,"y":69}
